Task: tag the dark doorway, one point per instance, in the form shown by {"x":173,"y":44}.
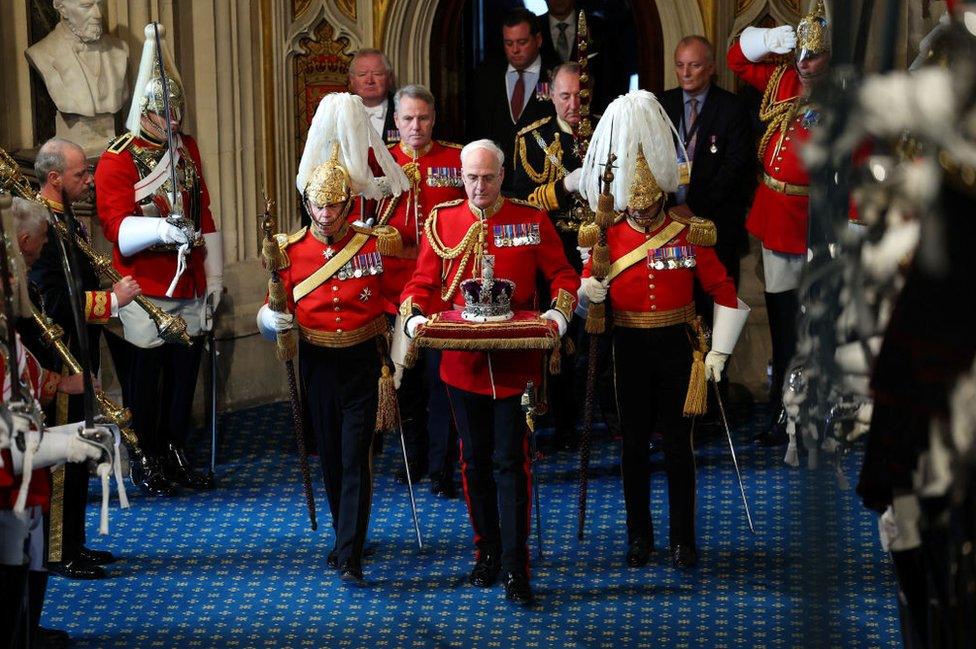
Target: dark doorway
{"x":468,"y":32}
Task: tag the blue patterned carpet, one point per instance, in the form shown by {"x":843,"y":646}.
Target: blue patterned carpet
{"x":239,"y":566}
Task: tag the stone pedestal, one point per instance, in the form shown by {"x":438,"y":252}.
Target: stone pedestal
{"x":90,"y":133}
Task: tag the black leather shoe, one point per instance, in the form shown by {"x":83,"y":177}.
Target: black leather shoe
{"x":683,"y":556}
{"x":485,"y":571}
{"x":51,"y":639}
{"x":177,"y":468}
{"x":148,"y":477}
{"x":351,"y":573}
{"x":443,"y":487}
{"x":77,"y":569}
{"x":100,"y":557}
{"x":333,"y":560}
{"x":775,"y":432}
{"x":639,"y":552}
{"x":517,"y":589}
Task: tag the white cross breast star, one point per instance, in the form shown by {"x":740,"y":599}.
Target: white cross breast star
{"x":328,"y":252}
{"x":365,"y":295}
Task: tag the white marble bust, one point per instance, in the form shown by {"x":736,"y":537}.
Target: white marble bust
{"x":82,"y":67}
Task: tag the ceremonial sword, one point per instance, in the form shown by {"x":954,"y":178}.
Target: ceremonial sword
{"x":735,"y":461}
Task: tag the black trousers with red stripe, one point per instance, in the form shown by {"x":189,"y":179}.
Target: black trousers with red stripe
{"x":340,"y":387}
{"x":494,"y":435}
{"x":652,"y":372}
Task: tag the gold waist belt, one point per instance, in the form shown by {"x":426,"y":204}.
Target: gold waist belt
{"x":654,"y":319}
{"x":785,"y":188}
{"x":340,"y":339}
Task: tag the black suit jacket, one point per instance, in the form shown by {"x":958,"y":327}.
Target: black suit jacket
{"x":607,"y":81}
{"x":722,"y":182}
{"x":391,"y":134}
{"x":492,"y":115}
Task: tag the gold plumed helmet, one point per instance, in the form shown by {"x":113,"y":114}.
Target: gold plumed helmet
{"x":329,"y":181}
{"x":644,"y":190}
{"x":152,"y":100}
{"x":813,"y":33}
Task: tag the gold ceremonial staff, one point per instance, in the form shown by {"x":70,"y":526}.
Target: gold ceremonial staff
{"x":171,"y":328}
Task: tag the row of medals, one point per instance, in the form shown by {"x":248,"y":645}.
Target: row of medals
{"x":671,"y":258}
{"x":516,"y":234}
{"x":370,"y":263}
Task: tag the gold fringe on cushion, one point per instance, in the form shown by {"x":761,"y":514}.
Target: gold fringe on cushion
{"x":596,"y":318}
{"x":287,"y":345}
{"x":588,"y":236}
{"x":487,"y":344}
{"x":604,"y":212}
{"x":388,"y":240}
{"x":697,"y":395}
{"x":277,"y":300}
{"x":411,"y":358}
{"x":600,"y":261}
{"x":386,"y":405}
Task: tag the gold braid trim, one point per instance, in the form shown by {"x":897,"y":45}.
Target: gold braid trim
{"x":469,"y":243}
{"x":776,"y":114}
{"x":549,"y":171}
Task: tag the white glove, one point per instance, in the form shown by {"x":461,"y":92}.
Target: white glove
{"x":271,"y":323}
{"x":559,"y":319}
{"x":757,"y":42}
{"x":213,"y":266}
{"x":780,"y":40}
{"x":60,"y":444}
{"x":584,"y":253}
{"x":136,"y":233}
{"x":571,"y":182}
{"x":412,"y":323}
{"x":714,"y":364}
{"x":594,"y":290}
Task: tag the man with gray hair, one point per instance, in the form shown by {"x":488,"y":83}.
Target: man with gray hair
{"x":434,"y":171}
{"x":371,"y":78}
{"x":63,"y":172}
{"x":519,"y":242}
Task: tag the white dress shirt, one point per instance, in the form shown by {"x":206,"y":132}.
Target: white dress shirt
{"x":530,"y":77}
{"x":377,"y":117}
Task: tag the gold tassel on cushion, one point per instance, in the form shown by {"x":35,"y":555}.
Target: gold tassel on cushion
{"x":589,"y":235}
{"x":287,"y":345}
{"x":388,"y":240}
{"x":604,"y":212}
{"x":555,"y":362}
{"x":600,"y":261}
{"x":386,"y":405}
{"x":277,"y":300}
{"x":569,"y":347}
{"x":697,"y":396}
{"x":596,"y":318}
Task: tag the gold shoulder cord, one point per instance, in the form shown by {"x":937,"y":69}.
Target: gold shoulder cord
{"x":553,"y":151}
{"x":777,"y":115}
{"x":473,"y":241}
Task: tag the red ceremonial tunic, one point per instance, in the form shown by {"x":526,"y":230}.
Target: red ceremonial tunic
{"x":777,"y":218}
{"x":115,"y":177}
{"x":645,"y":297}
{"x":439,"y":169}
{"x":345,"y":309}
{"x":43,"y":385}
{"x":499,"y":374}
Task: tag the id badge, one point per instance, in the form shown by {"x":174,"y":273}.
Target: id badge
{"x":684,"y":173}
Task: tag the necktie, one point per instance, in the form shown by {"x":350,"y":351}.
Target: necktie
{"x":692,"y":118}
{"x":518,"y":97}
{"x":562,"y":43}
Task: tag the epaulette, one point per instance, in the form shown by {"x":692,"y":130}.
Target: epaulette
{"x":391,"y":145}
{"x":519,"y":201}
{"x":292,"y":238}
{"x":456,"y":201}
{"x":701,"y":232}
{"x":121,"y":143}
{"x":534,"y":125}
{"x":388,"y":239}
{"x":452,"y":145}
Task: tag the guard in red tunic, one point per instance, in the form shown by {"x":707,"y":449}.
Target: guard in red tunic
{"x":334,"y":283}
{"x":168,"y":242}
{"x":655,"y":256}
{"x":434,"y":171}
{"x":779,"y":213}
{"x":485,"y":387}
